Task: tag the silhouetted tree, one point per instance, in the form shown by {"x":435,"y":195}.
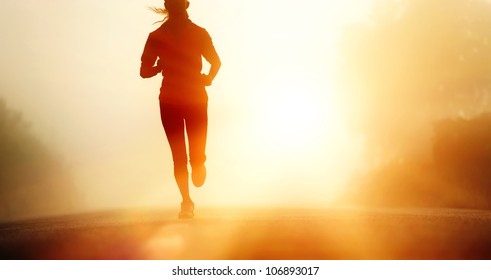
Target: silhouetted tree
{"x":32,"y":180}
{"x":414,"y":62}
{"x":462,"y":151}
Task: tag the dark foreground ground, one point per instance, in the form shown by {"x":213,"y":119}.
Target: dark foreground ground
{"x":254,"y":234}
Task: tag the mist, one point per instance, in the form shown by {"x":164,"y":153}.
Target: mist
{"x":416,"y":75}
{"x":392,"y":88}
{"x":70,"y":68}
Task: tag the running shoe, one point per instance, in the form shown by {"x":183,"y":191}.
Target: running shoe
{"x":199,"y":175}
{"x":187,"y":210}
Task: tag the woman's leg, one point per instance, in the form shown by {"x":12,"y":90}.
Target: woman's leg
{"x":197,"y":127}
{"x":173,"y":121}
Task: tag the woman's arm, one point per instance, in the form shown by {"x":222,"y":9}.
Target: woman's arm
{"x":148,"y":68}
{"x":211,"y":55}
{"x":215,"y":67}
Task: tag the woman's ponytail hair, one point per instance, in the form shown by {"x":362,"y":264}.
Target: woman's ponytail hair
{"x":161,"y":11}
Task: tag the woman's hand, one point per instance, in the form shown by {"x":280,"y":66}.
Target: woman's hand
{"x":206,"y":80}
{"x":151,"y":71}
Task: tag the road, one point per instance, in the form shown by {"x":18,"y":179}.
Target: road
{"x":257,"y":234}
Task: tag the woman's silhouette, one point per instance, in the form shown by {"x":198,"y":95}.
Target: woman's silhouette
{"x":176,"y":49}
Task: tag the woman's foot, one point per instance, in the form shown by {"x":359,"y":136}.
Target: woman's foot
{"x":187,"y":210}
{"x":198,"y":175}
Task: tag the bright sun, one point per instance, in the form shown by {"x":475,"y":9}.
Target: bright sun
{"x":294,"y":118}
{"x":299,"y":142}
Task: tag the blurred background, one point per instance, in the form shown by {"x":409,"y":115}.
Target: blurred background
{"x":381,"y":103}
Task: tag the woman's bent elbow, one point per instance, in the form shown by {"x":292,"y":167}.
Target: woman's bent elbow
{"x":145,"y":74}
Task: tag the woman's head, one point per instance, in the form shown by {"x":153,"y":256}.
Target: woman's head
{"x":173,"y":9}
{"x":176,"y":7}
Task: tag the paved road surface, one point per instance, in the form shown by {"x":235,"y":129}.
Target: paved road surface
{"x":254,"y":234}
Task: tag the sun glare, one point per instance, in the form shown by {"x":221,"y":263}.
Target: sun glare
{"x":293,"y":118}
{"x":299,"y":140}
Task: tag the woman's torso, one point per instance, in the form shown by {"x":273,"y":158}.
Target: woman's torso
{"x":179,"y":49}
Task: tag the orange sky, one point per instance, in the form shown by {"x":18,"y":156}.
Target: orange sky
{"x":72,"y":68}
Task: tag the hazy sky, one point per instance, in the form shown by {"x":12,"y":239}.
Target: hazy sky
{"x":72,"y":68}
